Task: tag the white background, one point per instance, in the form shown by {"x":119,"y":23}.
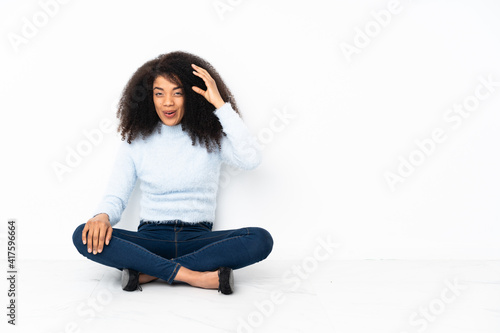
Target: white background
{"x":350,"y":120}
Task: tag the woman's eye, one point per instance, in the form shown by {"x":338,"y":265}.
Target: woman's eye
{"x":158,"y":94}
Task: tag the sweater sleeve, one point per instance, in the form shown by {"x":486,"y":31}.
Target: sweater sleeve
{"x":120,"y":185}
{"x":238,"y":148}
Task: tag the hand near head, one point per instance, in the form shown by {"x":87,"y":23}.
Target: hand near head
{"x":212,"y":94}
{"x":96,"y":233}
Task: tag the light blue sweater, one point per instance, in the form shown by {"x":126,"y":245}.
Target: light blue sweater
{"x":179,"y":181}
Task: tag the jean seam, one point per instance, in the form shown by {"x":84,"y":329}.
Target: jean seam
{"x":210,"y":245}
{"x":197,"y":239}
{"x":174,"y":273}
{"x":149,"y":239}
{"x":205,"y":227}
{"x":174,"y":241}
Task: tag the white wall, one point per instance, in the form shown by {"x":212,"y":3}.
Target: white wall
{"x":348,"y":119}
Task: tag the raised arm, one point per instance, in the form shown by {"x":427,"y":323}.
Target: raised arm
{"x":239,"y":147}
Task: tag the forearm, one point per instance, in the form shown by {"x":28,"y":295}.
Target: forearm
{"x":120,"y":185}
{"x":239,"y":146}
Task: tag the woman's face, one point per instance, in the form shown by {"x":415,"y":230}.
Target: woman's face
{"x":169,"y":101}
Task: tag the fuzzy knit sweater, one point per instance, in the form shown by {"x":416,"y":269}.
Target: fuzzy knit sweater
{"x":179,"y":181}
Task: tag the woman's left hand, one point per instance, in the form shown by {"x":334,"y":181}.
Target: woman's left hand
{"x":212,"y":94}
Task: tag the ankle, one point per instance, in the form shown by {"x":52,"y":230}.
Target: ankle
{"x":209,"y":280}
{"x":145,"y":278}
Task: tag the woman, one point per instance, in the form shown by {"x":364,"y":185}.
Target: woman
{"x":180,"y":122}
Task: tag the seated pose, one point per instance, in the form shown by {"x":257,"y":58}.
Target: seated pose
{"x":179,"y":122}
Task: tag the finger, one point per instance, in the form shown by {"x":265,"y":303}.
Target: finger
{"x":200,"y":69}
{"x":95,"y":240}
{"x":203,"y":77}
{"x":102,"y":236}
{"x":84,"y":233}
{"x":209,"y":83}
{"x":199,"y":90}
{"x":201,"y":72}
{"x":89,"y":239}
{"x":108,"y":235}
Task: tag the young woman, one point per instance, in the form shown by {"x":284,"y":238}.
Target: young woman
{"x":180,"y":123}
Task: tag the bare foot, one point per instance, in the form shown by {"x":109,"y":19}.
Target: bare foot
{"x":207,"y":280}
{"x":144,"y":278}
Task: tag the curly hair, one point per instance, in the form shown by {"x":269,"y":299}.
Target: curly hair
{"x":137,"y":113}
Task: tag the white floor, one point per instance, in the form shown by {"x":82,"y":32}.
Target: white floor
{"x":368,"y":296}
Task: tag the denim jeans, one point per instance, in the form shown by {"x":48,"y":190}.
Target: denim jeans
{"x":160,"y":248}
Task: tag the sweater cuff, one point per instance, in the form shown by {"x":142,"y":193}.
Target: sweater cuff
{"x":102,"y":213}
{"x":225,"y":111}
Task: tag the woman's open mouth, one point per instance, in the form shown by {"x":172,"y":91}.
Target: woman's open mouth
{"x":169,"y":114}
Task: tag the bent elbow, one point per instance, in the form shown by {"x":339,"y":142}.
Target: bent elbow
{"x":250,"y":158}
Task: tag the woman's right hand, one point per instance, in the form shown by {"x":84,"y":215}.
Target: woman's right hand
{"x":96,"y":233}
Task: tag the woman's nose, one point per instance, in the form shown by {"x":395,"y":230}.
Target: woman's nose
{"x":168,"y":101}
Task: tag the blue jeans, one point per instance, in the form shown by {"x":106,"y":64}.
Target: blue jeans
{"x":160,"y":248}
